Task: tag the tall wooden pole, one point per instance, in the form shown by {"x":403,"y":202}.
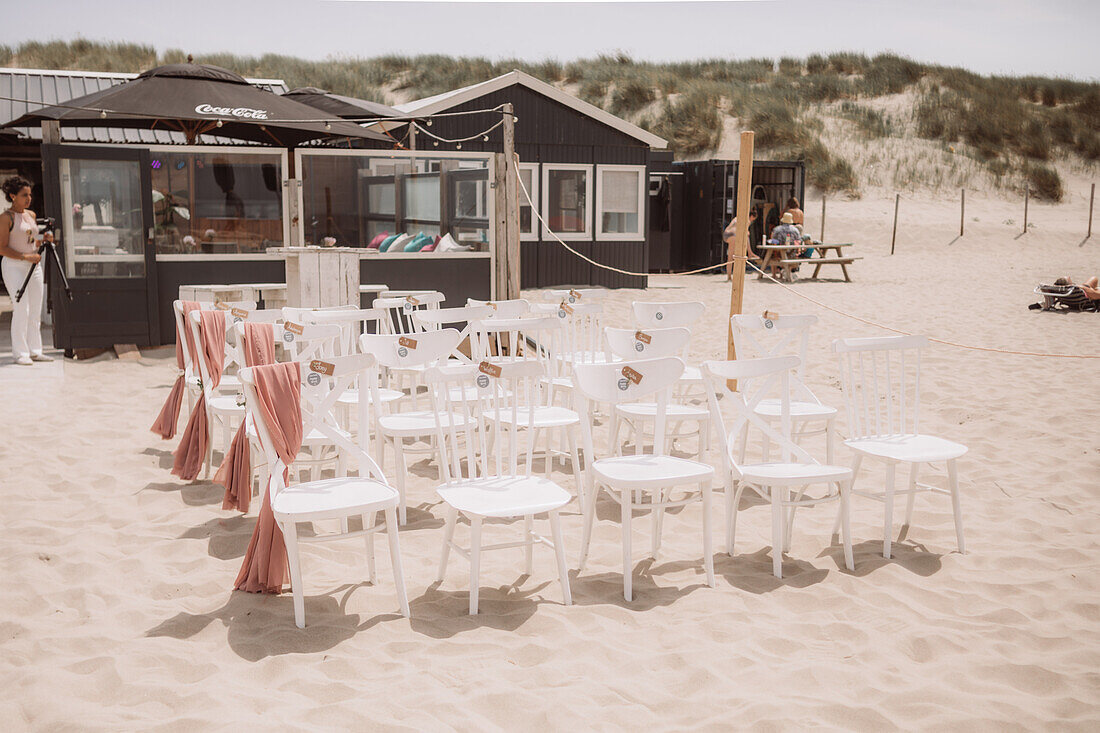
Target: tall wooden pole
{"x":1027,"y":197}
{"x":511,"y":193}
{"x":741,"y":240}
{"x":1092,"y":198}
{"x":894,"y":236}
{"x":962,"y":213}
{"x":822,"y":237}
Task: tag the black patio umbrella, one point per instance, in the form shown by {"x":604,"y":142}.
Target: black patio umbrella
{"x":195,"y":99}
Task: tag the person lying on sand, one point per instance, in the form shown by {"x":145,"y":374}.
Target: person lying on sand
{"x":1077,"y":296}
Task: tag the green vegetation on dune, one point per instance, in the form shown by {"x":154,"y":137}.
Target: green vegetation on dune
{"x":1015,"y":128}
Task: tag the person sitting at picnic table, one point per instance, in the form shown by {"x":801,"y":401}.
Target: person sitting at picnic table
{"x":787,"y":235}
{"x":798,"y":217}
{"x":729,"y":235}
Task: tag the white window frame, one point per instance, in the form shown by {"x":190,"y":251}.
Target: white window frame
{"x":586,"y":235}
{"x":643,"y":197}
{"x":533,"y":235}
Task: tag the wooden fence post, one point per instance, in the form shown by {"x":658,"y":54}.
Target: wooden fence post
{"x":822,"y":237}
{"x":894,"y":236}
{"x":741,"y":241}
{"x":962,"y":213}
{"x":1092,"y":198}
{"x":1027,"y":197}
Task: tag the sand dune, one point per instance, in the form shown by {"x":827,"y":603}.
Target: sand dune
{"x":117,"y":611}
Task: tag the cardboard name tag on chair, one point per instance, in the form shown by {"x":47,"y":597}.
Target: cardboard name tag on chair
{"x":404,"y":343}
{"x":629,"y":376}
{"x":222,"y":306}
{"x":290,"y":329}
{"x":411,"y":302}
{"x":770,"y":317}
{"x":487,"y":370}
{"x":641,"y":340}
{"x":574,"y":296}
{"x":316,"y":369}
{"x":564,"y":309}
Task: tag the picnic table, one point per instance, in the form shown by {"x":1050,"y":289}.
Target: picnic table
{"x":783,"y":257}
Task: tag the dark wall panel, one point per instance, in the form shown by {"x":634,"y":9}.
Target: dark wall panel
{"x":457,"y":278}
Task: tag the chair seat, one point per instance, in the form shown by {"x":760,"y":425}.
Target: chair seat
{"x":419,"y":422}
{"x":911,"y":448}
{"x":788,"y":474}
{"x":226,"y":405}
{"x":229,"y":383}
{"x":691,"y":375}
{"x":351,"y":396}
{"x":547,"y":416}
{"x":675,"y":410}
{"x":641,"y":472}
{"x":331,"y":498}
{"x":773,"y":408}
{"x":504,"y":496}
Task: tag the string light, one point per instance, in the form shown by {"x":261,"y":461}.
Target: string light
{"x":219,"y":123}
{"x":328,"y":126}
{"x":103,"y":113}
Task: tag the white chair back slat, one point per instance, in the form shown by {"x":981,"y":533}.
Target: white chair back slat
{"x":426,"y":348}
{"x":400,"y":310}
{"x":647,"y":343}
{"x":353,"y":323}
{"x":668,"y":314}
{"x":514,"y":308}
{"x":880,"y":378}
{"x":760,"y":337}
{"x":309,"y":341}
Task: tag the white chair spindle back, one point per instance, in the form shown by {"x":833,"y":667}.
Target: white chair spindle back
{"x":667,"y":315}
{"x":880,"y":378}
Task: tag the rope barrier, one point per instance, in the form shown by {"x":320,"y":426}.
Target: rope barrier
{"x":945,"y":342}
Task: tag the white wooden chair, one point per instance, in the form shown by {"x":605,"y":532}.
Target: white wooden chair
{"x":782,"y":483}
{"x":394,"y":351}
{"x":655,"y":474}
{"x":881,"y":382}
{"x":651,"y":343}
{"x":486,"y":473}
{"x":221,"y":409}
{"x":670,"y":314}
{"x":514,"y":308}
{"x":505,"y":341}
{"x":763,"y":337}
{"x":576,"y":295}
{"x":338,"y":498}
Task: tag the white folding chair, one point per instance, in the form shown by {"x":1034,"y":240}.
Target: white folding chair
{"x":654,"y":474}
{"x":651,"y":343}
{"x":881,"y":382}
{"x":772,"y":336}
{"x":393,"y":351}
{"x":486,"y":474}
{"x":782,"y":483}
{"x":504,"y":341}
{"x":338,"y":498}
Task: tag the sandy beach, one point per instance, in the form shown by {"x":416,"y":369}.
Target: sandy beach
{"x":117,"y":610}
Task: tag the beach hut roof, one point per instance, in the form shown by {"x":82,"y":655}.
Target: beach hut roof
{"x":453,"y":98}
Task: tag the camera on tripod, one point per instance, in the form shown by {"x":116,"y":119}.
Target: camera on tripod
{"x":49,"y":254}
{"x":46,"y":224}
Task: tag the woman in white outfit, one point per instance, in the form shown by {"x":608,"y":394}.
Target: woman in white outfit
{"x":18,"y":232}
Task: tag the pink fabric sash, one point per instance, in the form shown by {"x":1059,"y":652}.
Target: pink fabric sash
{"x":191,"y":452}
{"x":278,"y":393}
{"x":165,"y":424}
{"x":235,"y":473}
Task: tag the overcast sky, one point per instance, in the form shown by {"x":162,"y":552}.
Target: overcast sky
{"x":1051,"y":37}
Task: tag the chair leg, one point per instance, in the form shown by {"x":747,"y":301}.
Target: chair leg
{"x":953,"y":483}
{"x":588,"y":508}
{"x":708,"y":548}
{"x":290,"y":532}
{"x":776,"y":494}
{"x":559,"y":551}
{"x":844,"y":488}
{"x":448,"y":538}
{"x":399,"y":473}
{"x":733,"y":501}
{"x":475,"y":561}
{"x":613,"y":443}
{"x":395,"y":561}
{"x":548,"y":461}
{"x":856,"y":461}
{"x":888,"y":518}
{"x":830,"y":441}
{"x":368,"y":522}
{"x":529,"y":547}
{"x":658,"y":520}
{"x":570,"y":435}
{"x":911,"y":499}
{"x":628,"y":590}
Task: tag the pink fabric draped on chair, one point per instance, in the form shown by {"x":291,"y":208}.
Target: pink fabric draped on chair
{"x":165,"y":424}
{"x":191,"y":452}
{"x":278,"y":396}
{"x":235,"y":473}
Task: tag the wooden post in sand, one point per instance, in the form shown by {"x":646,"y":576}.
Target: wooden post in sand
{"x":1027,"y":197}
{"x":741,"y":240}
{"x":511,"y":250}
{"x":1092,"y":198}
{"x":962,"y":213}
{"x":822,"y":237}
{"x":894,"y":236}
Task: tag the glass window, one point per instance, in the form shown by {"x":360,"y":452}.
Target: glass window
{"x":528,"y":176}
{"x":354,"y":198}
{"x":566,"y":200}
{"x":216,"y":202}
{"x":621,"y":202}
{"x":101,"y":222}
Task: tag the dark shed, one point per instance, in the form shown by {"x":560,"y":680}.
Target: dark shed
{"x":586,"y":169}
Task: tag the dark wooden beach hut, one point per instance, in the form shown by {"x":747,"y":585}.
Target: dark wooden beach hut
{"x":586,"y":169}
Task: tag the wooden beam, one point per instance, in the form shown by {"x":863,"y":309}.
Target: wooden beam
{"x":511,"y":223}
{"x":51,"y":132}
{"x":498,"y":175}
{"x":741,"y":240}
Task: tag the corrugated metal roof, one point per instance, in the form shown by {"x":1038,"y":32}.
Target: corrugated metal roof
{"x":25,"y":90}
